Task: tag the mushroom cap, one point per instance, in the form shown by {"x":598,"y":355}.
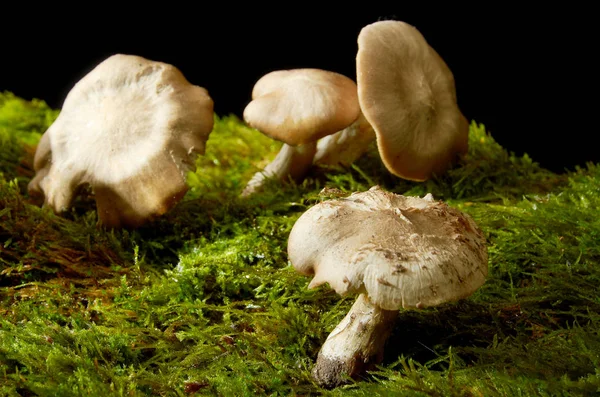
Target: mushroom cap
{"x":407,"y":93}
{"x":131,"y":129}
{"x":401,"y":251}
{"x":299,"y":106}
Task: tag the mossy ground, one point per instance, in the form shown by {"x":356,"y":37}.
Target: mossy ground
{"x":204,"y":302}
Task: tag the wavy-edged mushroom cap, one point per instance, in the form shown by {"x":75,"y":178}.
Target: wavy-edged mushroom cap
{"x":401,"y":251}
{"x":131,"y":129}
{"x":407,"y":93}
{"x":299,"y":106}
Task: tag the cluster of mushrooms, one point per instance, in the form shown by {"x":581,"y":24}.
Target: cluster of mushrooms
{"x":132,"y":128}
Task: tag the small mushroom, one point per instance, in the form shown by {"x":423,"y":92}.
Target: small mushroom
{"x":408,"y":95}
{"x":298,"y":107}
{"x":392,"y":251}
{"x":131,"y":129}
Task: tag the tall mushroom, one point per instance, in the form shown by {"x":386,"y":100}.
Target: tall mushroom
{"x":298,"y":107}
{"x":408,"y":103}
{"x":131,"y":129}
{"x":394,"y":252}
{"x":408,"y":95}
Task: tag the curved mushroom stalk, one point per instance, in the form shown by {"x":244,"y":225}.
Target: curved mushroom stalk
{"x":291,"y":161}
{"x":355,"y":345}
{"x":345,"y":146}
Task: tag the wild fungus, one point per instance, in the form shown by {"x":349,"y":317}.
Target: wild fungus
{"x":394,"y":252}
{"x":131,"y":129}
{"x":298,"y":107}
{"x":408,"y":104}
{"x":407,"y":94}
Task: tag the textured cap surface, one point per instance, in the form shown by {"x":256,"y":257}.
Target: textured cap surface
{"x":401,"y":251}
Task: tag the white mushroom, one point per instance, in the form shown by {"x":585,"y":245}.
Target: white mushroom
{"x":394,"y":252}
{"x":407,"y":94}
{"x":298,"y":107}
{"x":131,"y":129}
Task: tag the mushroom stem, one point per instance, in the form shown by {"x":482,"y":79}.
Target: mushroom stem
{"x":345,"y":146}
{"x":291,"y":161}
{"x":355,"y":345}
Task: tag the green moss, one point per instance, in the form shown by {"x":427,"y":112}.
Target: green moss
{"x":21,"y":125}
{"x":204,"y":302}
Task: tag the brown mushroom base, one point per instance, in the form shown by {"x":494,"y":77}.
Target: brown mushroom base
{"x":355,"y":345}
{"x":291,"y":161}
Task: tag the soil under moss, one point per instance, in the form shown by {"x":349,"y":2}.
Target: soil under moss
{"x":204,"y":302}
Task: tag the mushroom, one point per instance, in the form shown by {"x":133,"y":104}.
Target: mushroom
{"x":408,"y":104}
{"x":394,"y":252}
{"x":131,"y":129}
{"x":298,"y":107}
{"x":408,"y":95}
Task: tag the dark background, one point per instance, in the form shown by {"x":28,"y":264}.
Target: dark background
{"x":528,"y":76}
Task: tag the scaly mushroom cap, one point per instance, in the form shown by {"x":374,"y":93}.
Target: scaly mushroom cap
{"x":299,"y":106}
{"x":407,"y":93}
{"x":131,"y":129}
{"x":401,"y":251}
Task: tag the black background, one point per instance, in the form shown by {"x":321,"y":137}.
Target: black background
{"x":528,"y":75}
